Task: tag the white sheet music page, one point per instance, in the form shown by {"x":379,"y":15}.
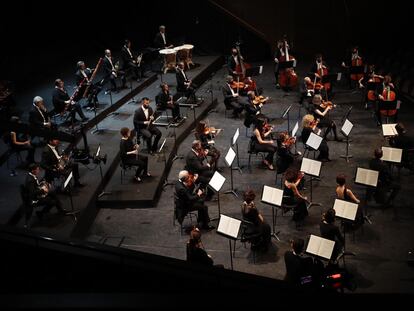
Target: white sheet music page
{"x":344,"y":209}
{"x":235,"y":137}
{"x":366,"y":177}
{"x":272,"y":195}
{"x":347,"y":127}
{"x":391,"y":154}
{"x":229,"y":226}
{"x":311,"y":167}
{"x":295,"y":129}
{"x":217,"y":181}
{"x":314,"y":141}
{"x":68,"y":180}
{"x":230,"y":157}
{"x":389,"y":130}
{"x":320,"y":247}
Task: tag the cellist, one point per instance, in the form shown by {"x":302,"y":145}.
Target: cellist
{"x":355,"y":60}
{"x":386,"y":94}
{"x":320,"y":69}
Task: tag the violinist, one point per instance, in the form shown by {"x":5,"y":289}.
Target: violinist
{"x":253,"y":109}
{"x":309,"y":88}
{"x":309,"y":125}
{"x":285,"y":157}
{"x":205,"y":134}
{"x":386,"y":94}
{"x":261,"y":143}
{"x":231,"y":97}
{"x":320,"y":111}
{"x":186,"y":200}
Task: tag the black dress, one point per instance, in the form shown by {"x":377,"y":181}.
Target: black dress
{"x":260,"y":232}
{"x":258,"y":147}
{"x":141,"y":162}
{"x":299,"y":210}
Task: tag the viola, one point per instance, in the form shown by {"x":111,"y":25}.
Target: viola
{"x":210,"y":130}
{"x":326,"y":104}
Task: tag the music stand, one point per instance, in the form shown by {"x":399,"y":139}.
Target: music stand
{"x":311,"y":168}
{"x":254,"y":71}
{"x":176,"y":155}
{"x":314,"y":141}
{"x":346,"y":130}
{"x":273,"y":197}
{"x":229,"y":227}
{"x":320,"y":247}
{"x":286,"y":114}
{"x":161,"y":151}
{"x":294,"y":132}
{"x":67,"y":185}
{"x":369,"y":179}
{"x":216,"y":183}
{"x":235,"y":143}
{"x":229,"y":159}
{"x":98,"y":151}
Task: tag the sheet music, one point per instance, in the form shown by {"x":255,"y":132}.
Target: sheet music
{"x":311,"y":167}
{"x":229,"y":226}
{"x":366,"y":177}
{"x":261,"y":70}
{"x":272,"y":196}
{"x":286,"y":111}
{"x":236,"y":136}
{"x":320,"y":247}
{"x":345,"y":209}
{"x":347,"y":127}
{"x":230,"y":157}
{"x":162,"y":145}
{"x":68,"y":179}
{"x":389,"y":130}
{"x":314,"y":141}
{"x":217,"y":181}
{"x":391,"y":154}
{"x":98,"y":151}
{"x":339,"y":76}
{"x":295,"y":129}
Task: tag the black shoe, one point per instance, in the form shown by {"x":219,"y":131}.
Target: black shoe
{"x":338,"y":139}
{"x":63,"y":211}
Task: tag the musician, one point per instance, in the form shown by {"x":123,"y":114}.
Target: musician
{"x":39,"y":194}
{"x":111,"y":72}
{"x":231,"y":98}
{"x":330,"y":231}
{"x":386,"y":182}
{"x":352,"y":59}
{"x":280,"y":53}
{"x":62,"y":102}
{"x":195,"y":164}
{"x":160,"y":40}
{"x":184,"y":85}
{"x":55,"y":164}
{"x":130,"y":155}
{"x":234,"y":61}
{"x":195,"y":250}
{"x":261,"y":143}
{"x":292,"y":195}
{"x":371,"y":95}
{"x":258,"y":230}
{"x":308,"y":126}
{"x":308,"y":89}
{"x":285,"y":157}
{"x":143,"y":118}
{"x":253,"y":109}
{"x":346,"y":194}
{"x":20,"y":142}
{"x":166,"y":101}
{"x":318,"y":68}
{"x":387,"y":85}
{"x":39,"y":116}
{"x":130,"y":60}
{"x":186,"y":200}
{"x":83,"y":75}
{"x":320,"y":111}
{"x":297,"y":266}
{"x":205,"y":135}
{"x":404,"y":142}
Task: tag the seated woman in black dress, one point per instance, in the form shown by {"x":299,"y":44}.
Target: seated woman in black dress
{"x":320,"y":111}
{"x":309,"y":125}
{"x":195,"y":250}
{"x":346,"y":194}
{"x":259,"y":230}
{"x":205,"y":135}
{"x":260,"y":143}
{"x":285,"y":157}
{"x":292,"y":196}
{"x":20,"y":142}
{"x":130,"y":156}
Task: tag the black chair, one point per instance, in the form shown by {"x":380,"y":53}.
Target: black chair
{"x":251,"y":150}
{"x":308,"y":150}
{"x":161,"y":110}
{"x":254,"y":239}
{"x":124,"y":169}
{"x":189,"y":216}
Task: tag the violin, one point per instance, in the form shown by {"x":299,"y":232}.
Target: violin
{"x":313,"y":86}
{"x":238,"y":85}
{"x":289,"y":141}
{"x":211,"y":130}
{"x":260,"y":100}
{"x":287,"y":77}
{"x":326,"y":104}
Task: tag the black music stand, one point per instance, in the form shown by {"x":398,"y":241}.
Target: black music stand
{"x":229,"y":228}
{"x":369,"y":179}
{"x":98,"y":151}
{"x":346,"y":130}
{"x":273,"y":197}
{"x":67,"y":185}
{"x":216,"y":183}
{"x":286,"y":114}
{"x":312,"y":168}
{"x":229,"y":159}
{"x":161,"y":151}
{"x":234,"y":142}
{"x":176,"y":155}
{"x":254,"y":71}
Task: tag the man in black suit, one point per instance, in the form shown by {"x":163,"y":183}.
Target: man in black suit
{"x":187,"y":201}
{"x":231,"y":98}
{"x":196,"y":164}
{"x":143,"y":118}
{"x":83,"y":76}
{"x":160,"y":40}
{"x":297,"y":266}
{"x":406,"y":143}
{"x":233,"y":61}
{"x":386,"y":182}
{"x":252,"y":109}
{"x":39,"y":116}
{"x":112,"y":73}
{"x":166,"y":101}
{"x":55,"y":164}
{"x":130,"y":60}
{"x":184,"y":85}
{"x":39,"y":194}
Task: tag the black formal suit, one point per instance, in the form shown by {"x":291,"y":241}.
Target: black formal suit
{"x":386,"y":182}
{"x":93,"y":91}
{"x":182,"y":78}
{"x":147,"y":131}
{"x":186,"y":201}
{"x":252,"y":111}
{"x":38,"y":118}
{"x":50,"y":164}
{"x":332,"y":232}
{"x":195,"y":165}
{"x":231,"y":102}
{"x":140,"y":161}
{"x":111,"y":74}
{"x":162,"y":100}
{"x":159,"y":42}
{"x":297,"y":267}
{"x":129,"y":61}
{"x":59,"y":97}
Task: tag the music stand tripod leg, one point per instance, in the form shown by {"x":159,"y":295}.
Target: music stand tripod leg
{"x":274,"y":234}
{"x":232,"y":190}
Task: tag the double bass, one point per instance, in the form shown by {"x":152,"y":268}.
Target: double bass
{"x":241,"y":66}
{"x":388,"y":95}
{"x":356,"y":62}
{"x":287,"y":76}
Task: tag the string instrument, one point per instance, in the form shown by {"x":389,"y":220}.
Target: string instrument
{"x":312,"y":87}
{"x":242,"y":66}
{"x":356,"y":62}
{"x":326,"y":104}
{"x":287,"y":77}
{"x":250,"y":85}
{"x":85,"y":93}
{"x":288,"y":142}
{"x":388,"y":95}
{"x":323,"y":71}
{"x":372,"y":94}
{"x":260,"y":100}
{"x":235,"y":85}
{"x":211,"y":131}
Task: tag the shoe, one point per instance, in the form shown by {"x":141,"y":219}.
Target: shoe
{"x":137,"y":179}
{"x":63,"y":211}
{"x":148,"y":175}
{"x":338,"y":139}
{"x":79,"y":185}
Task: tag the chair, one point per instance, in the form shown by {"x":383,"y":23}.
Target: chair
{"x":189,"y":216}
{"x":308,"y":150}
{"x":251,"y":151}
{"x":124,"y":170}
{"x":161,"y":109}
{"x":28,"y":207}
{"x":245,"y":237}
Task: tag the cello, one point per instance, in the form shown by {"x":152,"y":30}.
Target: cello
{"x":356,"y":61}
{"x":322,"y":70}
{"x":287,"y":77}
{"x":388,"y":95}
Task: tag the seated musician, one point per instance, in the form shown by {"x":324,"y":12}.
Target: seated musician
{"x":386,"y":182}
{"x":188,"y":198}
{"x":83,"y":75}
{"x":111,"y":72}
{"x":143,"y":118}
{"x":56,"y":164}
{"x":370,"y":77}
{"x":166,"y":101}
{"x":130,"y":61}
{"x":184,"y":84}
{"x":39,"y":194}
{"x":387,"y":89}
{"x":195,"y":250}
{"x":308,"y":126}
{"x":261,"y":143}
{"x":320,"y":111}
{"x":39,"y":116}
{"x":292,"y":195}
{"x":62,"y":102}
{"x":231,"y":98}
{"x":285,"y":157}
{"x":20,"y":142}
{"x":130,"y":155}
{"x":346,"y":194}
{"x":330,"y":231}
{"x":297,"y":265}
{"x":308,"y":89}
{"x":195,"y":164}
{"x":253,"y":109}
{"x":206,"y":135}
{"x":406,"y":143}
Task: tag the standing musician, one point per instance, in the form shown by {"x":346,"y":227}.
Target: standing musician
{"x":166,"y":101}
{"x":320,"y":69}
{"x":320,"y":111}
{"x":55,"y":164}
{"x":39,"y":116}
{"x":196,"y":164}
{"x":260,"y":143}
{"x":130,"y":60}
{"x":308,"y":126}
{"x":185,"y":85}
{"x":231,"y":97}
{"x":160,"y":40}
{"x":111,"y":71}
{"x":355,"y":60}
{"x":83,"y":76}
{"x":205,"y":135}
{"x":278,"y":54}
{"x":372,"y":83}
{"x":143,"y":118}
{"x":62,"y":102}
{"x":233,"y":62}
